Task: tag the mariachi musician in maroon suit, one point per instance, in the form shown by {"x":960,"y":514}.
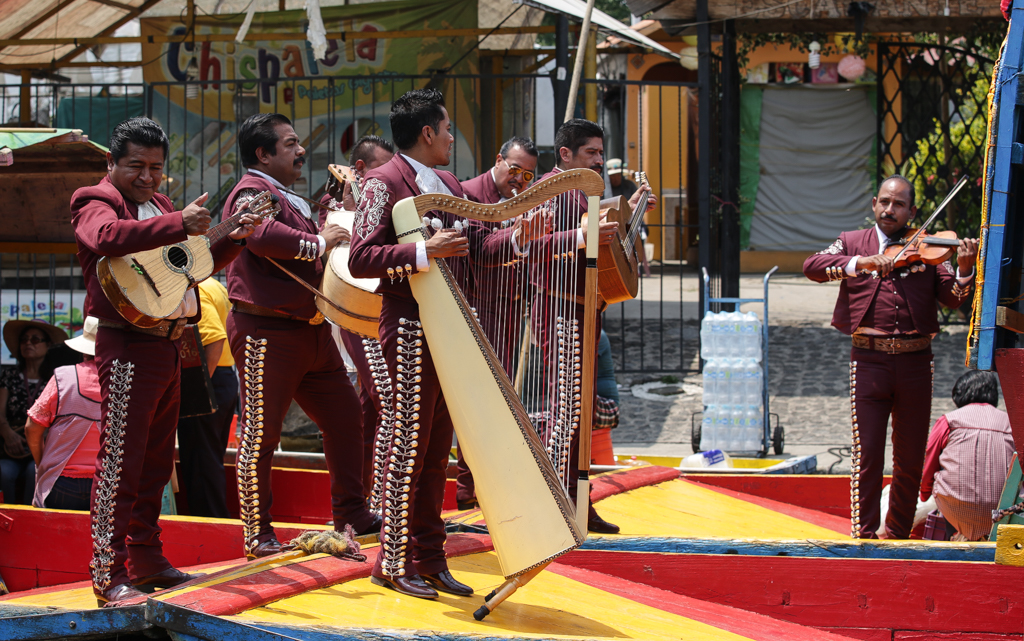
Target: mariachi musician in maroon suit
{"x":891,"y":316}
{"x":412,"y":559}
{"x":579,"y":144}
{"x":139,"y":368}
{"x":498,"y":291}
{"x":368,"y":153}
{"x":277,"y":334}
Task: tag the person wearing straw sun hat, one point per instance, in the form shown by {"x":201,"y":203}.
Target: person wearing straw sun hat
{"x":69,"y":407}
{"x":20,"y":385}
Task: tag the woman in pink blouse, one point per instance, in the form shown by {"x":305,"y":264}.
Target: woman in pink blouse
{"x":68,"y":412}
{"x":969,"y":452}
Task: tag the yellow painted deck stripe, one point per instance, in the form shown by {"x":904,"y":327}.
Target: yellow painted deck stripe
{"x":681,"y":508}
{"x":550,"y":606}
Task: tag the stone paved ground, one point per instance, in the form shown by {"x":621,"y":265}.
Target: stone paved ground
{"x":808,"y":370}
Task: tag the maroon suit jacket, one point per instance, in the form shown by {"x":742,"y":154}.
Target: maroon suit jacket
{"x":922,"y":289}
{"x":562,"y":242}
{"x":375,"y":245}
{"x":253,"y":279}
{"x":107,"y":224}
{"x":494,"y":262}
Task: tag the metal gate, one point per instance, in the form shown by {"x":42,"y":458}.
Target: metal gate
{"x":649,"y":124}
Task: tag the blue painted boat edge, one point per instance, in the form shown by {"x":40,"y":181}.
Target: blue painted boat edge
{"x":1000,"y":186}
{"x":853,"y":549}
{"x":21,"y":623}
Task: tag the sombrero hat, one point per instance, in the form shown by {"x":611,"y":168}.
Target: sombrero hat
{"x":14,"y":328}
{"x":85,"y":343}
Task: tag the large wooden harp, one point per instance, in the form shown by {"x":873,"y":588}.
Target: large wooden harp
{"x":530,"y":518}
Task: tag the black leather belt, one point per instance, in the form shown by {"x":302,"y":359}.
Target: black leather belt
{"x":256,"y":310}
{"x":891,"y":344}
{"x":169,"y":329}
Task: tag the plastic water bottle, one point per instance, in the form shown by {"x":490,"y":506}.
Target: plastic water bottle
{"x":731,"y":346}
{"x":707,"y":428}
{"x":753,"y":377}
{"x":723,"y":420}
{"x":737,"y":428}
{"x":711,"y":458}
{"x":736,"y":380}
{"x":751,"y":328}
{"x":710,"y":395}
{"x":718,"y":335}
{"x":754,"y":429}
{"x":707,"y":337}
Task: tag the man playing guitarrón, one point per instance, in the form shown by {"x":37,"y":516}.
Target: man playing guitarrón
{"x":891,"y":317}
{"x":139,"y":368}
{"x":277,"y":334}
{"x":412,"y":537}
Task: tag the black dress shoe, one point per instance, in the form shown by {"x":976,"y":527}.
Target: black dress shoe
{"x":599,"y":525}
{"x":467,"y":504}
{"x":267,"y":548}
{"x":161,"y":580}
{"x":445,"y":582}
{"x":412,"y":585}
{"x":113,"y":597}
{"x":372,"y":528}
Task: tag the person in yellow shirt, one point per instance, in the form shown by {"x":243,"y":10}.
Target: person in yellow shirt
{"x":202,"y":440}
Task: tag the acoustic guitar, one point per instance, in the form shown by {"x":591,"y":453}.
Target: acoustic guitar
{"x":147,"y":287}
{"x":618,"y":275}
{"x":356,"y":306}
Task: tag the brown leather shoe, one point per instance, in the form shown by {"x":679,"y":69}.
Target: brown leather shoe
{"x":599,"y":525}
{"x":267,"y":548}
{"x":445,"y":582}
{"x":169,"y":578}
{"x":372,"y":528}
{"x":412,"y":585}
{"x":113,"y":597}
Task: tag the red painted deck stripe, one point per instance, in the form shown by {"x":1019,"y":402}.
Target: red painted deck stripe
{"x":827,"y":521}
{"x":601,"y":487}
{"x":748,"y":624}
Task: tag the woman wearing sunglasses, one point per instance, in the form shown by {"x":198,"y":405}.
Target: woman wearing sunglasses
{"x":20,"y":386}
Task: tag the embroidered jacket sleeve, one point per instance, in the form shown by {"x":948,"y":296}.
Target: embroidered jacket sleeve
{"x":830,"y":263}
{"x":937,"y":440}
{"x":94,"y":215}
{"x":950,"y":291}
{"x":375,"y":252}
{"x":275,"y":238}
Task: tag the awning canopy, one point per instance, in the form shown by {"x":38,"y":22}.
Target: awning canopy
{"x":603,"y":21}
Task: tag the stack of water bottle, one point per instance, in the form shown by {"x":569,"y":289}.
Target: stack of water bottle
{"x":733,"y":382}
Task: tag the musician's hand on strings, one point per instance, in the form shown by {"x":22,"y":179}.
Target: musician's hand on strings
{"x":879,"y":264}
{"x":530,"y":229}
{"x":447,"y":242}
{"x":606,"y":232}
{"x":635,"y":198}
{"x":247,"y":224}
{"x":967,"y":255}
{"x":195,"y":218}
{"x":348,"y":200}
{"x":334,"y":234}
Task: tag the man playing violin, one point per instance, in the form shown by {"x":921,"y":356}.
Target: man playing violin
{"x":889,"y":311}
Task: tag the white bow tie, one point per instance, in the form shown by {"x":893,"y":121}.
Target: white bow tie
{"x":430,"y":183}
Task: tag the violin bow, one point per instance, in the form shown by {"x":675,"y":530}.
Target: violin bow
{"x":938,"y":210}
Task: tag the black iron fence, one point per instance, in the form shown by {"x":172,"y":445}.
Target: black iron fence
{"x":647,"y":123}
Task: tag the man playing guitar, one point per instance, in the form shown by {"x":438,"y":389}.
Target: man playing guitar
{"x":138,"y":367}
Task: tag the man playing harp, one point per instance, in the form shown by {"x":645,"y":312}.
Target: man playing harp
{"x":579,"y":144}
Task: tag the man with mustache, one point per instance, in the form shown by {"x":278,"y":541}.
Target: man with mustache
{"x":279,"y":338}
{"x":579,"y":144}
{"x":497,"y":291}
{"x":890,"y":315}
{"x":139,"y":367}
{"x":412,"y":558}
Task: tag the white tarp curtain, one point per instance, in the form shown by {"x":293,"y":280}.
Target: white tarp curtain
{"x":816,"y":145}
{"x":603,"y":21}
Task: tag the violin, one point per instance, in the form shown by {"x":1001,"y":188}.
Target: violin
{"x":920,"y":247}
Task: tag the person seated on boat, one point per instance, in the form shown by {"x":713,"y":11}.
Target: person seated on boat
{"x":20,"y":385}
{"x":139,"y":367}
{"x":67,"y":414}
{"x":968,"y":456}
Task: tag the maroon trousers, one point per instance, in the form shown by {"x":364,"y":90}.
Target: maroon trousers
{"x":412,"y":534}
{"x":140,"y":383}
{"x":283,"y":360}
{"x":369,"y":401}
{"x":881,"y":385}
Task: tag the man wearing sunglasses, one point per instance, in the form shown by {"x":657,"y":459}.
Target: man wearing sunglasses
{"x":497,"y":289}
